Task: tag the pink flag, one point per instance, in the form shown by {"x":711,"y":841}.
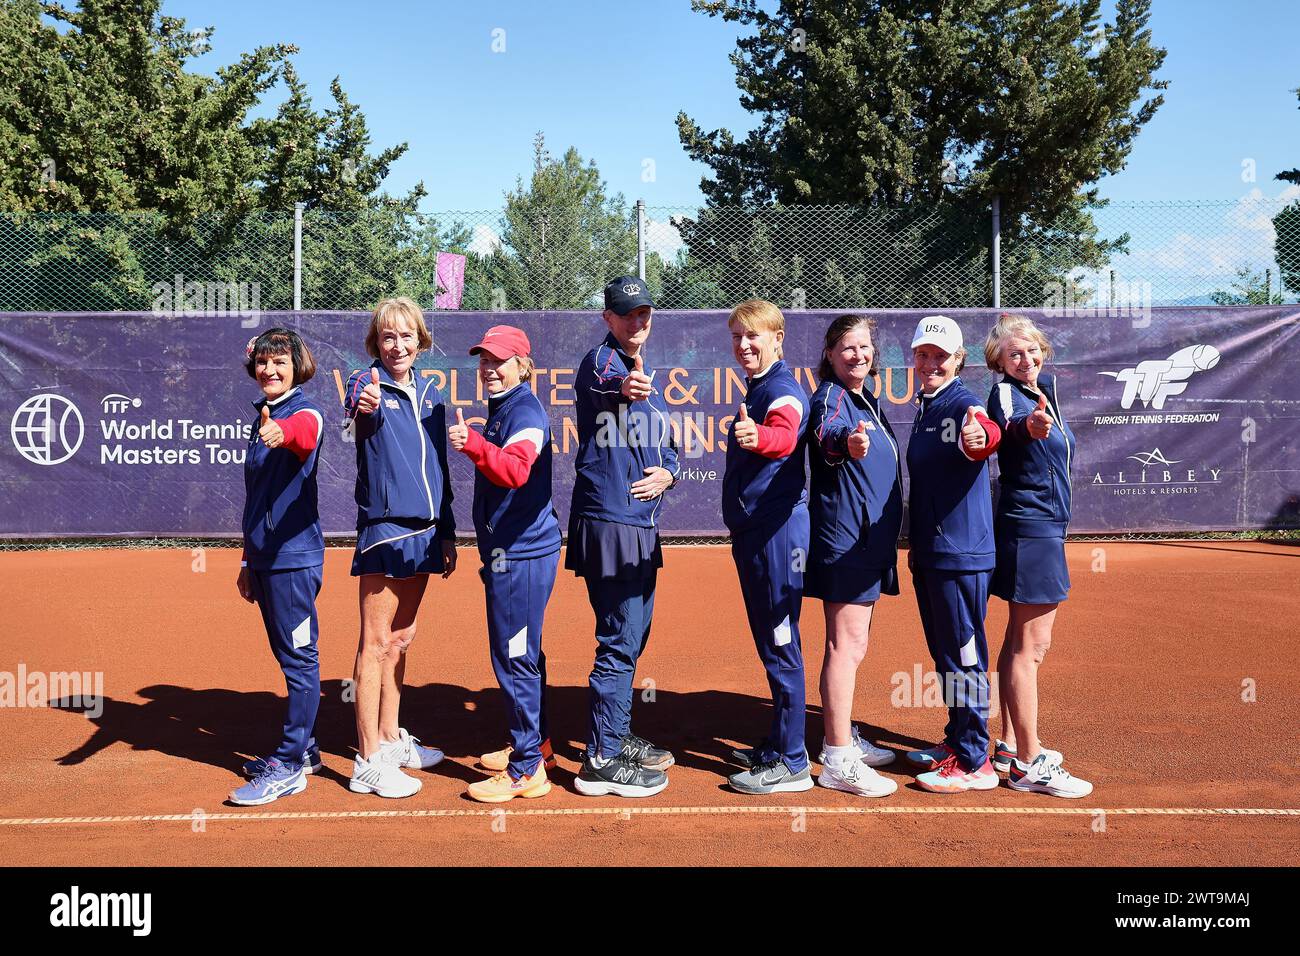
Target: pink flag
{"x":451,"y":278}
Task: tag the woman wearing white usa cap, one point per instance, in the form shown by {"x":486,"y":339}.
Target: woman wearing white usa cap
{"x":951,"y":552}
{"x":1032,"y":514}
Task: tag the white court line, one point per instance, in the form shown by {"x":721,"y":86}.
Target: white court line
{"x":629,"y":812}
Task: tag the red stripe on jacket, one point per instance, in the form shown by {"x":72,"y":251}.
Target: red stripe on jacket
{"x":506,"y":467}
{"x":779,"y":432}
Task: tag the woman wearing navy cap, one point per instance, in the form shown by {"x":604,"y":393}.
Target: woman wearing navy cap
{"x":1032,"y":514}
{"x":627,"y":459}
{"x":765,"y":508}
{"x":951,"y":551}
{"x":405,"y":532}
{"x":284,"y":552}
{"x":519,"y":544}
{"x":856,"y":501}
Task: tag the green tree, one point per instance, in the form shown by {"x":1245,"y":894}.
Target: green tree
{"x":120,"y":168}
{"x":1250,"y":288}
{"x":562,"y":237}
{"x":929,"y":109}
{"x":1286,"y":226}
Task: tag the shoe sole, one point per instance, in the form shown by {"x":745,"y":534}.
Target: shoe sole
{"x":532,"y":794}
{"x":873,"y":762}
{"x":601,"y":788}
{"x":789,"y":786}
{"x":1039,"y":788}
{"x":356,"y":786}
{"x":308,"y":769}
{"x":265,"y":800}
{"x":935,"y":788}
{"x":835,"y":784}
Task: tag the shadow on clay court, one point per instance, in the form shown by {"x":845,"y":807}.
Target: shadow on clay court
{"x":222,"y":727}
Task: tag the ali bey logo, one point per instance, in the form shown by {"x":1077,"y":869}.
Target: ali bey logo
{"x":1154,"y":380}
{"x":1153,"y":457}
{"x":47,"y":429}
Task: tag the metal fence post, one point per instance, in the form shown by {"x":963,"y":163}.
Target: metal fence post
{"x":298,"y":207}
{"x":640,"y":238}
{"x":997,"y":252}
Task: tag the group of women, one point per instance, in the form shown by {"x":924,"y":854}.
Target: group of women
{"x":834,"y":537}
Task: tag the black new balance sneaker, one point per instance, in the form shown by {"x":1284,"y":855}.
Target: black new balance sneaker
{"x":621,"y":776}
{"x":645,"y":753}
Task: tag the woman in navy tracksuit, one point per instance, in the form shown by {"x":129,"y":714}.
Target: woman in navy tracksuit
{"x":952,"y":552}
{"x":765,"y":508}
{"x":627,"y":459}
{"x":284,"y":551}
{"x":856,"y":501}
{"x":1033,"y":512}
{"x":405,"y":532}
{"x":519,"y":544}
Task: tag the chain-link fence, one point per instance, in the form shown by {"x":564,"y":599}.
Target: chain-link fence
{"x":817,"y":257}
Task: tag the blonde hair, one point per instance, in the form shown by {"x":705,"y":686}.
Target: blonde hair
{"x":759,"y":315}
{"x":525,"y":367}
{"x":1006,"y":326}
{"x":389,"y":310}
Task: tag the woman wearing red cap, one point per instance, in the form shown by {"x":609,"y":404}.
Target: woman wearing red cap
{"x":519,"y":544}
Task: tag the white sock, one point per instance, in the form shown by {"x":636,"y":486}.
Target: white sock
{"x":838,"y":756}
{"x":598,"y":761}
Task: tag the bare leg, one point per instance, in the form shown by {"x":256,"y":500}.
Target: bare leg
{"x":410,"y":592}
{"x":847,"y":629}
{"x":385,"y":604}
{"x":1029,"y":635}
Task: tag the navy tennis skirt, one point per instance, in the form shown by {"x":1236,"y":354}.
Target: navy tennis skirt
{"x":607,"y":549}
{"x":1030,"y":570}
{"x":840,"y":584}
{"x":398,"y":549}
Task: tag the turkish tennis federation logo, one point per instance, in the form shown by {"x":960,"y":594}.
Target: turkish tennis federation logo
{"x":1154,"y":380}
{"x":47,"y":429}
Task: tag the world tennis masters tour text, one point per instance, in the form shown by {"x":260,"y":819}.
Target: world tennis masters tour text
{"x":204,"y":441}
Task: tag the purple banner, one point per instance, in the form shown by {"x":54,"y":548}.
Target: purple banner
{"x":136,"y":424}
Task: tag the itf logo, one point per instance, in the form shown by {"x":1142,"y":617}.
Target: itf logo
{"x":47,"y":429}
{"x":1155,"y":380}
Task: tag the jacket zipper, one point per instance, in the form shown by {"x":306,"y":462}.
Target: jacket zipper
{"x":419,"y":430}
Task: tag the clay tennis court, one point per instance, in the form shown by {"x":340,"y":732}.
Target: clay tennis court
{"x":1143,"y":691}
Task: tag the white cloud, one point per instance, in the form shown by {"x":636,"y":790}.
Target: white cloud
{"x":484,"y":239}
{"x":663,"y":238}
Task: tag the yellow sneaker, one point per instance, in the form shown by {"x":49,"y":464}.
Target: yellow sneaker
{"x":503,"y":787}
{"x":498,"y":760}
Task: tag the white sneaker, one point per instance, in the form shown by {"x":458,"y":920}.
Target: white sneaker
{"x":382,"y":775}
{"x":855,"y":776}
{"x":872,"y":755}
{"x":407,"y":751}
{"x":1046,"y":776}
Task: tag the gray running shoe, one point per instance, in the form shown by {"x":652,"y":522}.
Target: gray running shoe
{"x":771,"y":777}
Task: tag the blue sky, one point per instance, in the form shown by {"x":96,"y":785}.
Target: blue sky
{"x":609,"y":78}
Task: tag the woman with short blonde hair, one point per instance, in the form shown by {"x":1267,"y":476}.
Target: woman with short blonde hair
{"x":1029,"y":527}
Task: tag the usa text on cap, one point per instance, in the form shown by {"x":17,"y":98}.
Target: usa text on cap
{"x":938,"y":330}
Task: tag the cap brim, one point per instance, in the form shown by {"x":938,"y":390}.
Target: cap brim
{"x":634,"y":306}
{"x":498,"y":352}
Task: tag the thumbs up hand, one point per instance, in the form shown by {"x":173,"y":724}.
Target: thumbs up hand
{"x":1039,"y":422}
{"x":458,"y":434}
{"x":272,"y":435}
{"x":636,"y":386}
{"x":368,"y":400}
{"x":859,"y":441}
{"x":973,"y":438}
{"x":745,"y":430}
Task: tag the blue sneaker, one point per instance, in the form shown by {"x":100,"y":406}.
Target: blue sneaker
{"x":310,"y":763}
{"x":271,"y":784}
{"x":407,"y":751}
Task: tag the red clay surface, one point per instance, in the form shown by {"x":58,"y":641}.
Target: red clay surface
{"x":1143,"y":690}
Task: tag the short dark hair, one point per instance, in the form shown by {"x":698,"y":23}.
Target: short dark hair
{"x":841,"y":327}
{"x":280,"y":341}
